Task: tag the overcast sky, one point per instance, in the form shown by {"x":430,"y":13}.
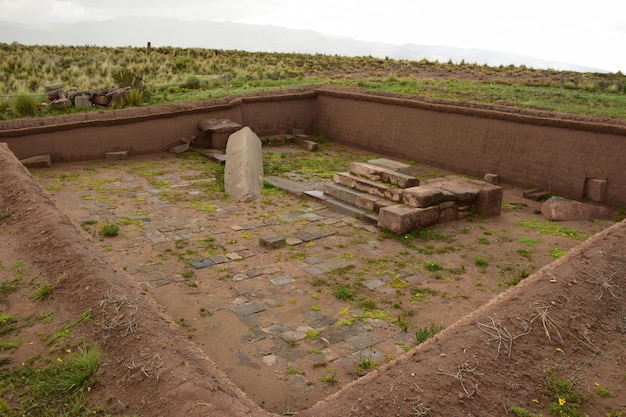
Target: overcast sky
{"x":590,"y":33}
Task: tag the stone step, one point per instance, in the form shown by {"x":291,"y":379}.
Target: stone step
{"x":391,"y":164}
{"x":371,"y":187}
{"x":292,"y":187}
{"x":386,"y":175}
{"x":485,"y":197}
{"x":356,"y":198}
{"x":350,"y":210}
{"x":343,"y":193}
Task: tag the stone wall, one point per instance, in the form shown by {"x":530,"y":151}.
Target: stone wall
{"x":525,"y":149}
{"x":147,"y":130}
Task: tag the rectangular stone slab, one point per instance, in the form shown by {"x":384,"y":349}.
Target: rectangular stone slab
{"x":422,"y":196}
{"x":401,"y":219}
{"x":247,"y":308}
{"x":378,"y":173}
{"x":391,"y":164}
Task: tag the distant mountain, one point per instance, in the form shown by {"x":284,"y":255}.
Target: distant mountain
{"x":138,"y":32}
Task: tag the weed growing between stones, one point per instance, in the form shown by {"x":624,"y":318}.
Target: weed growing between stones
{"x":480,"y":261}
{"x":426,"y":333}
{"x":109,"y":229}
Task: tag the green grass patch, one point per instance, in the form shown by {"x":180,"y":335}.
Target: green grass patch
{"x":528,"y":240}
{"x":556,"y":253}
{"x":8,"y":322}
{"x":344,"y":292}
{"x":109,"y":230}
{"x":554,"y":229}
{"x":480,"y":261}
{"x":566,"y":400}
{"x":64,"y":331}
{"x":52,"y":386}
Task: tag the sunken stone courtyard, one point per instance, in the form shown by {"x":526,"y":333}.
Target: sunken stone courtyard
{"x":313,"y":273}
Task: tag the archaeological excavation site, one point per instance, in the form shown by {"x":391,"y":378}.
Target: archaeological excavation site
{"x":321,"y":251}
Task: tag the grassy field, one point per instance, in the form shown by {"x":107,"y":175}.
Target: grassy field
{"x":169,"y":75}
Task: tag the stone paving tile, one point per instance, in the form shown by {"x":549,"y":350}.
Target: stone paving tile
{"x":319,"y":319}
{"x":243,"y":290}
{"x":312,"y":260}
{"x":273,"y":301}
{"x":299,"y":383}
{"x":373,"y":283}
{"x":291,"y":216}
{"x":202,"y":263}
{"x":326,"y":356}
{"x":293,"y":335}
{"x":251,"y":321}
{"x":349,"y":363}
{"x":245,"y":359}
{"x":313,"y":270}
{"x":219,"y":259}
{"x":254,"y":273}
{"x":246,"y":253}
{"x":293,"y":241}
{"x":312,"y":217}
{"x":293,"y":354}
{"x":240,"y":277}
{"x":332,"y":264}
{"x":312,"y":235}
{"x":406,"y":338}
{"x":364,"y":340}
{"x":270,"y":360}
{"x":372,"y":354}
{"x":247,"y":308}
{"x":156,"y":238}
{"x":282,"y":281}
{"x":255,"y":335}
{"x":274,"y":329}
{"x":336,"y":334}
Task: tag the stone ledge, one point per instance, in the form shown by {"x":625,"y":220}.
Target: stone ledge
{"x":378,"y":173}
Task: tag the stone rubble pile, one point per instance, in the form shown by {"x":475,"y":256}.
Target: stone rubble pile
{"x":59,"y":98}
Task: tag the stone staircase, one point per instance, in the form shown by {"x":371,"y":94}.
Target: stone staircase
{"x":382,"y":192}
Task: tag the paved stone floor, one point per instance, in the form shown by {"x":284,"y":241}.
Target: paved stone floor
{"x":254,"y":283}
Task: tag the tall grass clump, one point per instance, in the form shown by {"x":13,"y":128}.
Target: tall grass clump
{"x":24,"y":105}
{"x":135,"y":98}
{"x":4,"y":105}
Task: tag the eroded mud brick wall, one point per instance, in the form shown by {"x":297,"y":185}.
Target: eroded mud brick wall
{"x":89,"y":136}
{"x":281,"y":114}
{"x":525,"y":152}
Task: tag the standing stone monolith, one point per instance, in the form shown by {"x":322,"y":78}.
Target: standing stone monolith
{"x":243,"y":173}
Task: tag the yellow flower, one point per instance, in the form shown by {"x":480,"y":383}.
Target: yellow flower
{"x":562,"y":401}
{"x":30,"y":343}
{"x":23,"y":364}
{"x":59,"y":360}
{"x":88,"y":389}
{"x":68,"y":350}
{"x":596,"y":384}
{"x":536,"y":401}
